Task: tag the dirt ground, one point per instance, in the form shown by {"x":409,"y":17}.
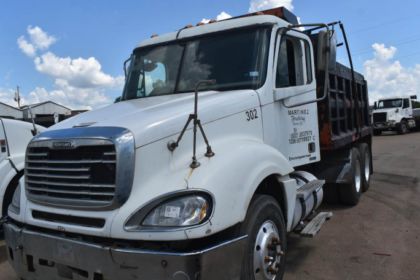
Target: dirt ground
{"x":386,"y":221}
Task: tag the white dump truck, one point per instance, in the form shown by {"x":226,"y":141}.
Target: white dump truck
{"x":14,"y":138}
{"x":224,"y":137}
{"x":395,"y":114}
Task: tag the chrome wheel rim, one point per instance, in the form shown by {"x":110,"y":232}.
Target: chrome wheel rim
{"x":357,"y":176}
{"x":367,"y":167}
{"x":267,"y":252}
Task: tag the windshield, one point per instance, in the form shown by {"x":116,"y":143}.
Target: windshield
{"x":392,"y":103}
{"x":235,"y":61}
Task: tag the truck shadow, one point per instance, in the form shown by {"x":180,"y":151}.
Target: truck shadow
{"x":394,"y":133}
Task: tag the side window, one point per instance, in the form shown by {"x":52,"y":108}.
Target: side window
{"x":406,"y":103}
{"x":153,"y":79}
{"x":290,"y":63}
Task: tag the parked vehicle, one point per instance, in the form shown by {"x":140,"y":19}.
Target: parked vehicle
{"x":14,"y":138}
{"x":395,"y":114}
{"x":130,"y":191}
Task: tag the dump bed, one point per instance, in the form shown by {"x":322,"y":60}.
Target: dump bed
{"x":343,"y":116}
{"x":338,"y":112}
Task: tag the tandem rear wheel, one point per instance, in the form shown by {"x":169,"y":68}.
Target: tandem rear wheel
{"x":349,"y":193}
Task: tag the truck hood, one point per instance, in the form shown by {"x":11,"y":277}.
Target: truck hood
{"x":154,"y":118}
{"x":386,"y":110}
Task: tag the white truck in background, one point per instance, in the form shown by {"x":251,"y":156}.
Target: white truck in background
{"x":224,"y":137}
{"x":14,"y":138}
{"x":395,"y":114}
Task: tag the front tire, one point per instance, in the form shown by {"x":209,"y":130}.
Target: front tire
{"x":266,"y":246}
{"x":402,"y":129}
{"x":351,"y":192}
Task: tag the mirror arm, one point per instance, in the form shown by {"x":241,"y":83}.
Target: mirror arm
{"x":327,"y":49}
{"x":125,"y":68}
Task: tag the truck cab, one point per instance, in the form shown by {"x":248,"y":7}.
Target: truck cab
{"x":395,"y":114}
{"x":201,"y":170}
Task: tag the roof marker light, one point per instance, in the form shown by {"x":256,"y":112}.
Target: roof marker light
{"x":212,"y":20}
{"x":188,"y":26}
{"x":153,"y":36}
{"x":259,"y":13}
{"x":200,"y":23}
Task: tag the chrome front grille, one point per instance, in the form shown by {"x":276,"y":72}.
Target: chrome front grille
{"x":379,"y":117}
{"x":89,"y":168}
{"x":86,"y":174}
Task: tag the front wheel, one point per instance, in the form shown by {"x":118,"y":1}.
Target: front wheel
{"x":402,"y":129}
{"x":266,"y":246}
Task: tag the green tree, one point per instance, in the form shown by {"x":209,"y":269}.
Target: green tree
{"x":118,"y":99}
{"x":416,"y":104}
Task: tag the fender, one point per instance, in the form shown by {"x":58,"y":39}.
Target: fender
{"x":7,"y":173}
{"x":18,"y":160}
{"x":232,"y":177}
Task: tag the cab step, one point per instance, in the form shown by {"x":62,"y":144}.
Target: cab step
{"x":313,"y":227}
{"x":307,"y":189}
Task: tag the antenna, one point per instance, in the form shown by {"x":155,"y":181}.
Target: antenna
{"x":173,"y":145}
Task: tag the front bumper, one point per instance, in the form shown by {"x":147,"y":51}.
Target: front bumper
{"x":385,"y":126}
{"x":31,"y":254}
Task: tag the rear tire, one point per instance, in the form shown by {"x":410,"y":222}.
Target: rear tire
{"x":366,"y":165}
{"x":377,"y":132}
{"x":264,"y":221}
{"x":402,"y":129}
{"x":351,"y":192}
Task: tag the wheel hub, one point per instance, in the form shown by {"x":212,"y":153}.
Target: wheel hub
{"x":367,"y":166}
{"x":357,"y":176}
{"x":267,"y":252}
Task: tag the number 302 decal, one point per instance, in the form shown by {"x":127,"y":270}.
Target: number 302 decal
{"x":251,"y":114}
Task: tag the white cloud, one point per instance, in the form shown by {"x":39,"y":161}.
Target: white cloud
{"x":74,"y":98}
{"x":26,"y":47}
{"x":300,"y":28}
{"x":39,"y":40}
{"x":221,"y":16}
{"x":386,"y":78}
{"x":79,"y":83}
{"x":7,"y":96}
{"x":80,"y":73}
{"x":260,"y":5}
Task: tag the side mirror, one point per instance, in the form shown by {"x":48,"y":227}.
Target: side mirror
{"x":375,"y":105}
{"x":322,"y":52}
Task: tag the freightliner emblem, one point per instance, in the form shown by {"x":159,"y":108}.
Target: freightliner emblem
{"x":63,"y":145}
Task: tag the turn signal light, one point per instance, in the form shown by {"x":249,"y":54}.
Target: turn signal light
{"x":3,"y":146}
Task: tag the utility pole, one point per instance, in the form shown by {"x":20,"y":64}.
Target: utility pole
{"x":17,"y":97}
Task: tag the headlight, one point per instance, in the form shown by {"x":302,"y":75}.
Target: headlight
{"x":174,"y":212}
{"x":15,"y":206}
{"x":184,"y":211}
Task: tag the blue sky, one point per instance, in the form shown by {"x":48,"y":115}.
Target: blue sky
{"x":78,"y":47}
